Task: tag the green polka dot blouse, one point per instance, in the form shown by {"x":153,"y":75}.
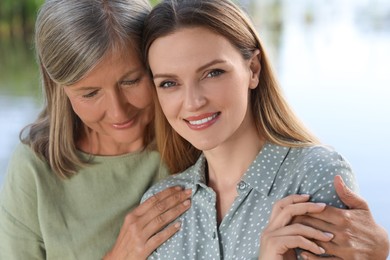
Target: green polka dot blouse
{"x":276,"y":172}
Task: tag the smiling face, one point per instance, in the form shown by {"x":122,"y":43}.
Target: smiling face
{"x":203,"y":86}
{"x":115,"y":102}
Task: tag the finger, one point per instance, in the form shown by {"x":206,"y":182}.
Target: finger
{"x":282,"y":244}
{"x":286,"y":215}
{"x":346,"y":195}
{"x":158,"y":204}
{"x":162,"y":236}
{"x":291,"y":199}
{"x":305,"y":231}
{"x":312,"y":221}
{"x":150,"y":202}
{"x":309,"y":256}
{"x":331,"y":215}
{"x":164,"y":219}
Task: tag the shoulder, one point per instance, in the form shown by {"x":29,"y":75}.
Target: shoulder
{"x":18,"y":195}
{"x":318,"y":157}
{"x":183,"y":179}
{"x":317,"y":166}
{"x":24,"y":165}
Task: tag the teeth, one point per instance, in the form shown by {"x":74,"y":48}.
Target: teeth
{"x":202,"y":121}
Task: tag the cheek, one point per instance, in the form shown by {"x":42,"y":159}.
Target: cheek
{"x":169,"y":104}
{"x":86,"y":112}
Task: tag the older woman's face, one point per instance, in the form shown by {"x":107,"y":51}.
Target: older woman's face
{"x":114,"y":101}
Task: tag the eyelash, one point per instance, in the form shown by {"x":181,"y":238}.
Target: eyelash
{"x":124,"y":82}
{"x":172,"y":84}
{"x":211,"y":74}
{"x":130,"y":82}
{"x":91,"y":94}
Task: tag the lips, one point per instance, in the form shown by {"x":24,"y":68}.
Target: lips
{"x":202,"y":121}
{"x":123,"y":125}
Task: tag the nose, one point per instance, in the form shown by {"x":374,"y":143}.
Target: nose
{"x":116,"y":105}
{"x":194,"y":97}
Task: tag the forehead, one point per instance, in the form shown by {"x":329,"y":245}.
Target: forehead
{"x":190,"y":45}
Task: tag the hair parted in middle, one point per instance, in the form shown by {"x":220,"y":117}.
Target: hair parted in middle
{"x":71,"y":38}
{"x":274,"y":119}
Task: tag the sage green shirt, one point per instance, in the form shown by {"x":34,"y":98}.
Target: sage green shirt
{"x":276,"y":172}
{"x":44,"y":217}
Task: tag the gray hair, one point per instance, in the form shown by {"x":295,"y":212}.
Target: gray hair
{"x":71,"y":38}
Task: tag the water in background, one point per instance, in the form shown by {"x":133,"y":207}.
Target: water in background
{"x":333,"y":61}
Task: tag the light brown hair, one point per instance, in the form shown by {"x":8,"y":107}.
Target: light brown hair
{"x":274,"y":119}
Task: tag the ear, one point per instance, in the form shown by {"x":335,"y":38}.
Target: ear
{"x":255,"y":68}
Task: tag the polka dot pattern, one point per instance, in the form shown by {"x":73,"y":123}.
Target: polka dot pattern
{"x":276,"y":172}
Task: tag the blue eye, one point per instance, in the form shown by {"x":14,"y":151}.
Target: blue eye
{"x":91,"y":94}
{"x":167,"y":84}
{"x":215,"y":73}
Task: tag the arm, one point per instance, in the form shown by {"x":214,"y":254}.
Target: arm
{"x":357,"y":236}
{"x":20,"y":233}
{"x":141,"y":232}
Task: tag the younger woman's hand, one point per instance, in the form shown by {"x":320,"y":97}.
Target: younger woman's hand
{"x":280,"y":237}
{"x":142,"y":232}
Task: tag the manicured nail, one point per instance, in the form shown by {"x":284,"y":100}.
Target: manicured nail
{"x":304,"y":256}
{"x":330,"y":235}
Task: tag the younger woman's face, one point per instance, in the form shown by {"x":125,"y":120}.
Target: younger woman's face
{"x":203,"y":85}
{"x":115,"y":102}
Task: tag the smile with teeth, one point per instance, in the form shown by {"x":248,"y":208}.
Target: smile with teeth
{"x":203,"y":120}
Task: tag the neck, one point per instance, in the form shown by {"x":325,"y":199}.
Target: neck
{"x":94,"y":143}
{"x":227,"y":164}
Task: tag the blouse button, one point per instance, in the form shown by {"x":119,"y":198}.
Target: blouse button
{"x":242,"y":185}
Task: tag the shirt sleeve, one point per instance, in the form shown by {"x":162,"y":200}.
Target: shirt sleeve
{"x":20,"y":235}
{"x":320,"y":167}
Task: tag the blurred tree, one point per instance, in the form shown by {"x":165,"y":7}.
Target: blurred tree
{"x":17,"y":18}
{"x":154,"y":2}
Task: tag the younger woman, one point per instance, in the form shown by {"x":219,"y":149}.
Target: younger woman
{"x":233,"y":137}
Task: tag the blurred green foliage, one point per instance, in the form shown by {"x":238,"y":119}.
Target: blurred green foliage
{"x":17,"y":18}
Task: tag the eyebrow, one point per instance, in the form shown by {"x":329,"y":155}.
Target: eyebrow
{"x":84,"y":88}
{"x":209,"y":64}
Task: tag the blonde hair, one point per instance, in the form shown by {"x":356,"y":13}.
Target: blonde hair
{"x":71,"y":38}
{"x":273,"y":117}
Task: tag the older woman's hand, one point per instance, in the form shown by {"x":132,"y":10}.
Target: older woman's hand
{"x":142,"y":231}
{"x":356,"y":235}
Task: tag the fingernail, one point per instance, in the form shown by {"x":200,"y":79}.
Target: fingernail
{"x":186,"y":202}
{"x":304,"y":257}
{"x":188,"y":191}
{"x":305,"y":195}
{"x":321,"y":204}
{"x":177,"y":224}
{"x":178,"y":188}
{"x":322,"y":250}
{"x":330,"y":235}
